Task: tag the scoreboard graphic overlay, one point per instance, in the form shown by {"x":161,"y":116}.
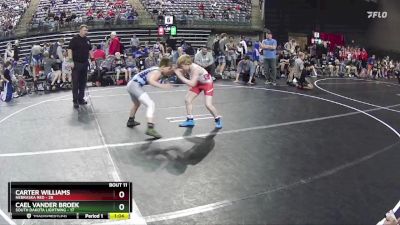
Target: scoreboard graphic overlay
{"x":70,"y":200}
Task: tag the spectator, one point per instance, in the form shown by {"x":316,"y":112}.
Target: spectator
{"x":231,"y":53}
{"x":201,"y":6}
{"x":141,"y":52}
{"x":130,"y":67}
{"x":8,"y":53}
{"x":268,"y":46}
{"x":351,"y":68}
{"x":150,"y":61}
{"x":225,"y":15}
{"x":364,"y":57}
{"x":171,"y":42}
{"x":158,"y":47}
{"x":189,"y":50}
{"x":36,"y":60}
{"x":51,"y":69}
{"x":244,"y":44}
{"x":99,"y":53}
{"x":290,"y":46}
{"x":7,"y":86}
{"x":66,"y":70}
{"x":371,"y":63}
{"x":135,"y":43}
{"x":56,"y":52}
{"x":177,"y":54}
{"x":205,"y":59}
{"x":221,"y":63}
{"x":115,"y":44}
{"x":222,"y":43}
{"x":397,"y":71}
{"x":300,"y":71}
{"x":240,"y":52}
{"x":246,"y":69}
{"x":215,"y":45}
{"x":16,"y":51}
{"x":120,"y":66}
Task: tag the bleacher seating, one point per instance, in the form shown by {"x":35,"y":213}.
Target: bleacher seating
{"x":11,"y":12}
{"x":197,"y":38}
{"x":235,"y":11}
{"x":54,"y":13}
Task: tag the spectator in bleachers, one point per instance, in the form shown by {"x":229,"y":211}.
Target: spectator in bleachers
{"x":177,"y":54}
{"x":225,"y":14}
{"x":120,"y":66}
{"x":16,"y":51}
{"x":201,"y":6}
{"x":115,"y":44}
{"x":8,"y":53}
{"x":158,"y":47}
{"x":205,"y":59}
{"x":130,"y":67}
{"x":98,"y":53}
{"x":51,"y":71}
{"x":240,"y":52}
{"x":290,"y":46}
{"x":135,"y":43}
{"x":56,"y":51}
{"x":244,"y":44}
{"x":333,"y":65}
{"x":150,"y":61}
{"x":171,"y":42}
{"x":141,"y":52}
{"x":364,"y":57}
{"x":10,"y":14}
{"x":371,"y":63}
{"x":66,"y":69}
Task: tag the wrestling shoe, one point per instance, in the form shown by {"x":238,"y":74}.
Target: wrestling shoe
{"x":82,"y":102}
{"x":187,"y":123}
{"x":152,"y":132}
{"x":76,"y":105}
{"x":218,"y":123}
{"x":131,"y":122}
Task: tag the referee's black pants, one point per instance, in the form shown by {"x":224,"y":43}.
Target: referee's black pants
{"x":79,"y":80}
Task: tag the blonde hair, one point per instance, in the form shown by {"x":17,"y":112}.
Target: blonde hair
{"x":83,"y":26}
{"x":184,"y":60}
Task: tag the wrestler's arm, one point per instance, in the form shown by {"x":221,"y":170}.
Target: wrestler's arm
{"x":194,"y":77}
{"x":154,"y":78}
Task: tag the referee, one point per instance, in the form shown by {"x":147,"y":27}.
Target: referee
{"x":78,"y":52}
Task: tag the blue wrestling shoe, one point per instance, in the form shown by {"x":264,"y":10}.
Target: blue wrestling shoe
{"x":187,"y":123}
{"x":218,"y":123}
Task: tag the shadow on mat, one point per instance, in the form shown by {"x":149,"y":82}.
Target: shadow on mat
{"x":83,"y":115}
{"x":174,"y":159}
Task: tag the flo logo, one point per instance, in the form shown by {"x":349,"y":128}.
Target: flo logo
{"x":380,"y":15}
